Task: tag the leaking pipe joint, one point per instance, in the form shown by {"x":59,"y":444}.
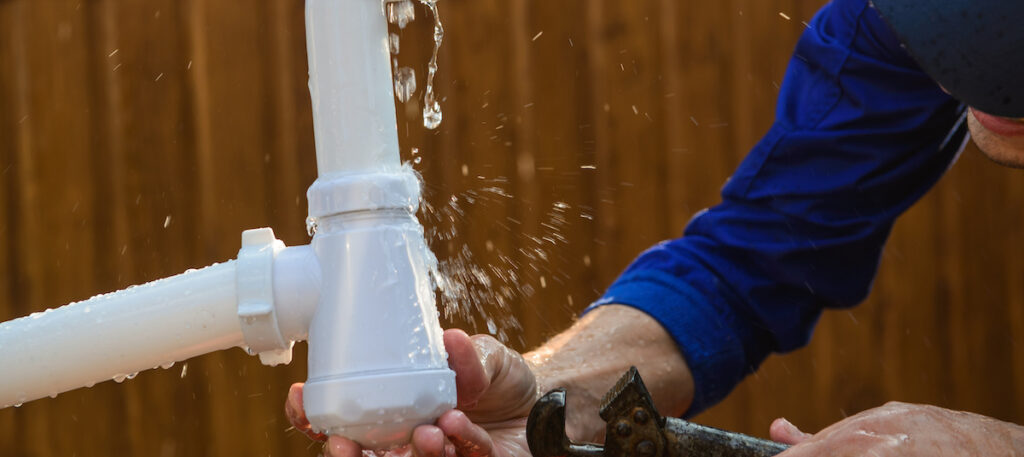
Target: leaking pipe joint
{"x":377,"y":364}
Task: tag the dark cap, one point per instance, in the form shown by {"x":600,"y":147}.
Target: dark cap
{"x":973,"y":48}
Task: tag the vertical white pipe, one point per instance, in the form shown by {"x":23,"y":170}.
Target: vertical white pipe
{"x":350,"y":87}
{"x":377,"y":364}
{"x":118,"y":334}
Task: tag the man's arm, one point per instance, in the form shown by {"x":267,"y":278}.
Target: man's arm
{"x":861,"y":133}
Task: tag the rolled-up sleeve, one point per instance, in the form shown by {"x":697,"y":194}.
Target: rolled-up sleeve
{"x":861,"y":133}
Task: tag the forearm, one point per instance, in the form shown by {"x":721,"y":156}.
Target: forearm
{"x":590,"y":356}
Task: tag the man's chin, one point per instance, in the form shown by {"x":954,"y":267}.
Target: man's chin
{"x":1004,"y":150}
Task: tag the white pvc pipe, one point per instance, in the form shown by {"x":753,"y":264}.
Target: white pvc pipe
{"x":350,"y":87}
{"x":119,"y":334}
{"x":115,"y":335}
{"x":377,"y":363}
{"x":296,"y":290}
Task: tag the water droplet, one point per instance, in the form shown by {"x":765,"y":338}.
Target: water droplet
{"x":311,"y":225}
{"x":400,"y":12}
{"x":405,"y":83}
{"x":167,"y":365}
{"x":120,"y":378}
{"x":18,"y":405}
{"x":491,"y":326}
{"x":393,"y":43}
{"x":432,"y":115}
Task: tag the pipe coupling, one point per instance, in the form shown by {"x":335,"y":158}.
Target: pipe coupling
{"x":257,"y":313}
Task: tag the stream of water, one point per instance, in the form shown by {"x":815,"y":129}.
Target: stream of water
{"x":401,"y":13}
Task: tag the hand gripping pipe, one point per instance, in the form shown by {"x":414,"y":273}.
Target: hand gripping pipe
{"x":361,"y":291}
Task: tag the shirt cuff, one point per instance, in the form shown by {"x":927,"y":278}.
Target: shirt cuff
{"x":706,"y":335}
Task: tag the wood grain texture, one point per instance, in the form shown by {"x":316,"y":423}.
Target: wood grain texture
{"x":139,"y":138}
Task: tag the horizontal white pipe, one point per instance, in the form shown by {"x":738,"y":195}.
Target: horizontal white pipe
{"x":119,"y":334}
{"x":350,"y":87}
{"x":170,"y":320}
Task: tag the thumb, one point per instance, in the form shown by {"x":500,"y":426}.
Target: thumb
{"x":785,"y":432}
{"x":471,"y":378}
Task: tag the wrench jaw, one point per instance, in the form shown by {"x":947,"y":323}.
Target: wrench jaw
{"x":634,"y":425}
{"x":545,"y":430}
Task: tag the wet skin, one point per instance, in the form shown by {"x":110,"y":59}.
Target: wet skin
{"x":902,"y":429}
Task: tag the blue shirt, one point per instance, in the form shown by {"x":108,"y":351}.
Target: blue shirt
{"x":861,"y":133}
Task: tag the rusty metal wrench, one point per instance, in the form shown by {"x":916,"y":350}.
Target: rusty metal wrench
{"x":634,"y":428}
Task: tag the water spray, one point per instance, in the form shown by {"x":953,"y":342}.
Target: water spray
{"x":361,"y":292}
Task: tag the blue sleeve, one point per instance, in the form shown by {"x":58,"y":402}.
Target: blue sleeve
{"x":859,"y":136}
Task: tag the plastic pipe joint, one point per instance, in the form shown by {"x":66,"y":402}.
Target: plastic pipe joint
{"x":377,"y":364}
{"x":257,"y":314}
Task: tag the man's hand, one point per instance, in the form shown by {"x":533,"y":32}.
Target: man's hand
{"x":496,"y":389}
{"x":901,"y":429}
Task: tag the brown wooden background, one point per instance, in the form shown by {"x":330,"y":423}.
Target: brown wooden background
{"x":138,"y":138}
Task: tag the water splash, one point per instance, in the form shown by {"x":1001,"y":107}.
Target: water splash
{"x":480,"y":285}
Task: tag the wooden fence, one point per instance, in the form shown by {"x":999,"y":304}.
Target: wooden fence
{"x":138,"y":138}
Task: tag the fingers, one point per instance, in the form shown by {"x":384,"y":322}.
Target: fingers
{"x":429,"y":441}
{"x":471,"y":379}
{"x":338,"y":446}
{"x":785,"y":432}
{"x":297,"y":415}
{"x":467,"y":439}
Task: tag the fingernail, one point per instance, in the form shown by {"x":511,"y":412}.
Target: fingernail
{"x":793,"y":429}
{"x":789,"y":426}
